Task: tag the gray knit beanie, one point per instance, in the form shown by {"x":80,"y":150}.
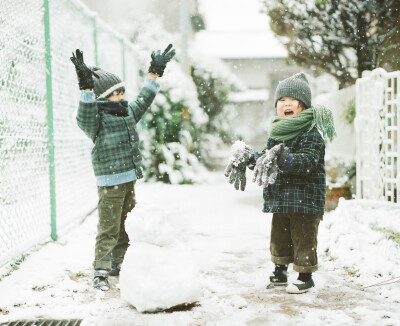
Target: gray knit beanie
{"x":295,"y":87}
{"x":106,"y":84}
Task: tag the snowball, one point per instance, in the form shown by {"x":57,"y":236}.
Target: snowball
{"x":154,"y":230}
{"x":238,"y":150}
{"x":158,"y":271}
{"x":155,"y":278}
{"x":238,"y":146}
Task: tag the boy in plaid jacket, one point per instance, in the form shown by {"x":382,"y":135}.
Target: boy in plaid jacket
{"x":110,"y":122}
{"x":291,"y":170}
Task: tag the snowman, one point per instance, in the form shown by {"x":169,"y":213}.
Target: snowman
{"x":158,"y":271}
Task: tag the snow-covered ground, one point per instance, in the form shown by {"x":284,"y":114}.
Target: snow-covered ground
{"x":228,"y":236}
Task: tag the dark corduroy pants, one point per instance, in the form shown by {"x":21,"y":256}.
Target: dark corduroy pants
{"x":294,"y":240}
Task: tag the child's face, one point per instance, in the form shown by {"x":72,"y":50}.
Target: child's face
{"x":288,"y":107}
{"x":117,"y":97}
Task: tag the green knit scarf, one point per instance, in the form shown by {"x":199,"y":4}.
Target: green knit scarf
{"x":287,"y":128}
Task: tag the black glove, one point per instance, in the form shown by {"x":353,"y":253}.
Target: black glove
{"x":266,"y":169}
{"x":85,"y":75}
{"x":159,"y":60}
{"x":236,"y":168}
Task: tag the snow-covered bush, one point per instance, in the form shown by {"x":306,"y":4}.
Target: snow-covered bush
{"x":214,"y":82}
{"x":187,"y":120}
{"x":175,"y":121}
{"x":172,"y":125}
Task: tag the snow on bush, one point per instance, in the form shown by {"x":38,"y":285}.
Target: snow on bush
{"x":214,"y":82}
{"x":189,"y":109}
{"x":174,"y":123}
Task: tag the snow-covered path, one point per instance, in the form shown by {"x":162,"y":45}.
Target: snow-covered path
{"x":229,"y":237}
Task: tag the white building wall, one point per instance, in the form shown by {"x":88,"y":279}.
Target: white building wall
{"x":344,"y":145}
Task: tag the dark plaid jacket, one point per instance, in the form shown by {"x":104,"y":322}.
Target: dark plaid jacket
{"x":301,"y":184}
{"x":116,"y":139}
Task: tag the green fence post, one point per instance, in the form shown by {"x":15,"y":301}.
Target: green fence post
{"x":96,"y":49}
{"x":50,"y":129}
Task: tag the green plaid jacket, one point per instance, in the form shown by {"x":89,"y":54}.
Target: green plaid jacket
{"x":115,"y":138}
{"x":301,"y":183}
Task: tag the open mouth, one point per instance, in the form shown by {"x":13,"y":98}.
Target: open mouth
{"x":288,"y":113}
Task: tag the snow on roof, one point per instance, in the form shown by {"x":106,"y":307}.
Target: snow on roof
{"x":237,"y":29}
{"x":251,"y":95}
{"x":228,"y":15}
{"x":228,"y":45}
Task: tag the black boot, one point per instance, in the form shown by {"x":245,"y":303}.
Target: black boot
{"x":303,"y":284}
{"x":278,"y":277}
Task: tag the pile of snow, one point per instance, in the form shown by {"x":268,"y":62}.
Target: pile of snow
{"x":158,"y":271}
{"x":360,"y":235}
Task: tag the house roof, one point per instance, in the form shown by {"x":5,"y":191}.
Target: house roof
{"x":237,"y":29}
{"x":250,"y":95}
{"x":247,"y":44}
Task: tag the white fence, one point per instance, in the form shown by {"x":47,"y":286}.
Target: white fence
{"x":377,"y":127}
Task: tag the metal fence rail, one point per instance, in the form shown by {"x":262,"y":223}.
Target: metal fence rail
{"x":377,"y":126}
{"x":46,"y":179}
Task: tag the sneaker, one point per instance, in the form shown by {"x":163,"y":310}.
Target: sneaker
{"x":115,"y":269}
{"x":100,"y":280}
{"x":298,"y":286}
{"x":277,"y":279}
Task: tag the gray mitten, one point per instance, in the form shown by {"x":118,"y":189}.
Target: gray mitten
{"x":266,"y":169}
{"x":263,"y":165}
{"x":236,"y":168}
{"x":282,"y":153}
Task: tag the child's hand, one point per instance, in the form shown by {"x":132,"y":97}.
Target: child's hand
{"x":84,"y":74}
{"x":265,"y":165}
{"x":266,"y":169}
{"x":159,"y":60}
{"x":236,"y":168}
{"x":237,"y":175}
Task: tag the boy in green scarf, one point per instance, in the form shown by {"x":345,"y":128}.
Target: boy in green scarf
{"x":291,"y":170}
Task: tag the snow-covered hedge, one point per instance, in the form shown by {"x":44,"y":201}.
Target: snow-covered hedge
{"x":214,"y":82}
{"x":180,"y":135}
{"x":174,"y":119}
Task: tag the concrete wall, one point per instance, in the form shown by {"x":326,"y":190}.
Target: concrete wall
{"x":344,"y":145}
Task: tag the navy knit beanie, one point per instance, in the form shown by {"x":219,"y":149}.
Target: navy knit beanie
{"x":296,"y":87}
{"x":106,"y":84}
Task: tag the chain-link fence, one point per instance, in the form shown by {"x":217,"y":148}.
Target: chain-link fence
{"x":46,"y":179}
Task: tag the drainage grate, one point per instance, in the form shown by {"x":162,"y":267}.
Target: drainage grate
{"x":42,"y":322}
